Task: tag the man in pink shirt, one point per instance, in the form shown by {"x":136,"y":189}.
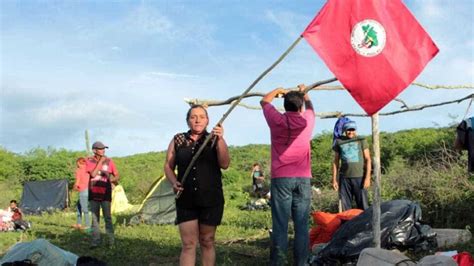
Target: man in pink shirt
{"x":291,"y":134}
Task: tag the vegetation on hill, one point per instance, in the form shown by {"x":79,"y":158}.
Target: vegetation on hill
{"x":417,"y":164}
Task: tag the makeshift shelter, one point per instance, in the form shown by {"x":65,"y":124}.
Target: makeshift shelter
{"x":158,"y":207}
{"x":46,"y":195}
{"x":119,"y":200}
{"x":40,"y":252}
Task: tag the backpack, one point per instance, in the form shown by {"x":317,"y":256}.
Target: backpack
{"x":338,"y":128}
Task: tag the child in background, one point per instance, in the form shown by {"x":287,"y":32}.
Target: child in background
{"x":258,"y":180}
{"x":17,"y":216}
{"x":82,"y":186}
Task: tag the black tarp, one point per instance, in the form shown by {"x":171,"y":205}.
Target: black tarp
{"x":47,"y":195}
{"x":400,"y":228}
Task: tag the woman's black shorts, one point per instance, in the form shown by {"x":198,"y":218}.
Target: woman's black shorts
{"x":205,"y":215}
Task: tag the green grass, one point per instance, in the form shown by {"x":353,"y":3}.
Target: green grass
{"x":242,"y":239}
{"x":243,"y":242}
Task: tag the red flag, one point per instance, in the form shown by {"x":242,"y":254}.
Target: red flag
{"x":375,"y":48}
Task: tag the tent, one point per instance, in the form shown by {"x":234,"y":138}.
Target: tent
{"x":40,"y":252}
{"x":46,"y":195}
{"x":119,"y":200}
{"x":158,"y":207}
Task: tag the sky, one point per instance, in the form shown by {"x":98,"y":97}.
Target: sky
{"x":121,"y":69}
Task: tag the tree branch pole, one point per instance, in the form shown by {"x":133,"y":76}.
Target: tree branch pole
{"x":333,"y":114}
{"x":317,"y":84}
{"x":88,"y":147}
{"x":210,"y":102}
{"x":377,"y":186}
{"x":234,"y":104}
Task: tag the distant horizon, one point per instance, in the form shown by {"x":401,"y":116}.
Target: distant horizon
{"x":122,"y":69}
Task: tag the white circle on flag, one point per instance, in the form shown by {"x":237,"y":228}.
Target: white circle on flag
{"x":368,"y":38}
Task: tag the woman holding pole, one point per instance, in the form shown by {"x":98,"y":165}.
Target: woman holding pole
{"x":200,"y":207}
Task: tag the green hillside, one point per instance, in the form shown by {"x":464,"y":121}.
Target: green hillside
{"x":417,"y":164}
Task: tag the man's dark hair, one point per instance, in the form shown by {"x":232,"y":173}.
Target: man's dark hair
{"x":293,"y":101}
{"x":188,"y":114}
{"x":13,"y":201}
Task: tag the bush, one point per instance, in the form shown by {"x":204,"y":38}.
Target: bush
{"x":327,"y":201}
{"x":40,"y":164}
{"x":138,"y":172}
{"x":321,"y":163}
{"x":441,"y":186}
{"x":10,"y":166}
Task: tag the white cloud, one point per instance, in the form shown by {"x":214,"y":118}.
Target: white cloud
{"x":167,"y":75}
{"x":432,"y":9}
{"x":150,"y":21}
{"x":81,"y":111}
{"x":285,"y":20}
{"x":115,"y":48}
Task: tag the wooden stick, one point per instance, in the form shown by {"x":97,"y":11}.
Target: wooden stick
{"x":377,"y":186}
{"x":335,"y":114}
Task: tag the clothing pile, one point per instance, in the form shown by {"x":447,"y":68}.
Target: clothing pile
{"x":11,"y":221}
{"x":6,"y":223}
{"x":259,"y":204}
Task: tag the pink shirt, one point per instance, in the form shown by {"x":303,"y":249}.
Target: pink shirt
{"x":91,"y":163}
{"x":291,"y":147}
{"x":82,"y":179}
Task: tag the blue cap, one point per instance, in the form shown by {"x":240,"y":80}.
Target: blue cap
{"x":350,"y":125}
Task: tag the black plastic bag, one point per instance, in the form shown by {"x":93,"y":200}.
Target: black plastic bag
{"x":400,"y":227}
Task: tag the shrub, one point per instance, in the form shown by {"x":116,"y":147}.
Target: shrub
{"x":440,"y":185}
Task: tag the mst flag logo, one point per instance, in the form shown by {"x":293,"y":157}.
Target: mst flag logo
{"x":368,"y":38}
{"x":375,"y":48}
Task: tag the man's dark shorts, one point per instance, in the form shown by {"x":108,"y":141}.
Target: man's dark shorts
{"x":205,"y":215}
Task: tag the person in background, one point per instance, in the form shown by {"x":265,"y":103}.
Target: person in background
{"x":82,"y":187}
{"x":291,"y":134}
{"x":258,"y":180}
{"x":351,"y":168}
{"x":200,"y":207}
{"x":17,"y":216}
{"x":103,"y":173}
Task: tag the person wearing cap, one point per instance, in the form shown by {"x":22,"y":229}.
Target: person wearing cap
{"x":103,"y":174}
{"x":290,"y":189}
{"x":200,"y":207}
{"x":351,"y":168}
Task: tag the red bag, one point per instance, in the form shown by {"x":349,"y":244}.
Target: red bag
{"x":326,"y":225}
{"x":349,"y":214}
{"x":464,"y":259}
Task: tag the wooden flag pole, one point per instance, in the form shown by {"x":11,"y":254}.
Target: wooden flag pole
{"x":88,"y":147}
{"x":377,"y":186}
{"x":234,"y":104}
